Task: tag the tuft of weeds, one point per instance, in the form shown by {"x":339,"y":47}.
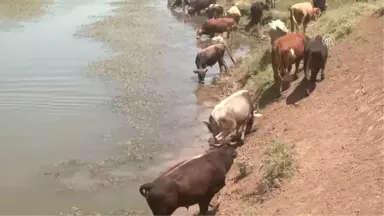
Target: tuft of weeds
{"x":340,"y":22}
{"x":244,"y":167}
{"x":277,"y":165}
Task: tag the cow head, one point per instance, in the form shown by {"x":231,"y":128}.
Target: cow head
{"x":316,"y":13}
{"x":199,"y":32}
{"x":191,"y":11}
{"x":201,"y":74}
{"x":213,"y":127}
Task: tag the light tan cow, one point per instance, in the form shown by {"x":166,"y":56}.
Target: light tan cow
{"x":302,"y":14}
{"x":234,"y":13}
{"x":232,"y":113}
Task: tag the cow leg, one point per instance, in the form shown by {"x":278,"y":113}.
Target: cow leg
{"x":297,"y":64}
{"x":222,"y":63}
{"x":248,"y":129}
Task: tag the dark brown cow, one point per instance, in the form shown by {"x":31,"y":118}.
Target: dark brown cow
{"x":215,"y":11}
{"x":315,"y":58}
{"x":286,"y":50}
{"x":220,"y":25}
{"x":256,"y":14}
{"x":190,"y":182}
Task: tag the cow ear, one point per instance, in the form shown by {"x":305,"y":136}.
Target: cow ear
{"x":205,"y":70}
{"x":208,"y":125}
{"x":195,"y":71}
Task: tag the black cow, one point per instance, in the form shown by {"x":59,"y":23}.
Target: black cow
{"x":193,"y":181}
{"x":198,"y":5}
{"x":271,"y":3}
{"x":315,"y":58}
{"x":208,"y":57}
{"x":256,"y":13}
{"x":215,"y":11}
{"x":320,"y":4}
{"x":181,"y":3}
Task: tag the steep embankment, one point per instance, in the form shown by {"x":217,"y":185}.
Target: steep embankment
{"x":337,"y":132}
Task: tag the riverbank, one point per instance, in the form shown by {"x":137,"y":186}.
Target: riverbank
{"x":288,"y":166}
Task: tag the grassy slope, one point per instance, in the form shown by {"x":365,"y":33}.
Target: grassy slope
{"x":255,"y":74}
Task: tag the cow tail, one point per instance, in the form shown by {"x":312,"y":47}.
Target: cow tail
{"x":145,"y":188}
{"x":293,"y":19}
{"x":229,"y":53}
{"x":279,"y":61}
{"x":256,"y":114}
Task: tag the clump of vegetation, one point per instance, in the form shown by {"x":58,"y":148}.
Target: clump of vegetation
{"x":23,"y":9}
{"x":341,"y":22}
{"x":74,"y":211}
{"x":277,"y":165}
{"x":244,"y":167}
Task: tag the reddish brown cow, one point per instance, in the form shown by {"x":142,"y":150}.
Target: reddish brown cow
{"x":220,"y":25}
{"x":286,"y":50}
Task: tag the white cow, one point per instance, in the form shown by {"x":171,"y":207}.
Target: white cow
{"x":277,"y":29}
{"x":232,"y":113}
{"x":234,"y":12}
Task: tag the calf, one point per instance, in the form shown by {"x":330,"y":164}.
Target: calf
{"x":277,"y":29}
{"x":215,"y":11}
{"x":256,"y":13}
{"x":208,"y":57}
{"x":321,"y":4}
{"x":220,"y":25}
{"x":193,"y":181}
{"x":302,"y":14}
{"x":234,"y":13}
{"x":315,"y":58}
{"x":287,"y":50}
{"x":232,"y":113}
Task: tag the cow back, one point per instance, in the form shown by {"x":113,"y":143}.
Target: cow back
{"x":295,"y":41}
{"x":217,"y":25}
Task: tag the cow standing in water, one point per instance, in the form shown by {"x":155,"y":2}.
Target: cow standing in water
{"x":220,"y":25}
{"x":232,"y":113}
{"x":208,"y":57}
{"x":190,"y":182}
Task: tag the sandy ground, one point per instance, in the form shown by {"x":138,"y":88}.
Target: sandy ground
{"x":338,"y":135}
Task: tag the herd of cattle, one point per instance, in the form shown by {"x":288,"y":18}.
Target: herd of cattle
{"x":197,"y":180}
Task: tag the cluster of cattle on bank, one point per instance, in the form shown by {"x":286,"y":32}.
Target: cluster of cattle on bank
{"x":197,"y":180}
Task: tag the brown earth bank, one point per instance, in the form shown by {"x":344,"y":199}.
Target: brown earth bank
{"x":337,"y":132}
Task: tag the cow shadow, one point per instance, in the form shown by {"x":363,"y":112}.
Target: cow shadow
{"x":303,"y":90}
{"x":271,"y":94}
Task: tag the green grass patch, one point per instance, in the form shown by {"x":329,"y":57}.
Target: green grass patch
{"x":278,"y":164}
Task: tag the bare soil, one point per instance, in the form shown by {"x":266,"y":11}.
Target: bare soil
{"x":338,"y":135}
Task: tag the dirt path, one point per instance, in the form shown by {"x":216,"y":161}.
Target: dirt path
{"x":338,"y":135}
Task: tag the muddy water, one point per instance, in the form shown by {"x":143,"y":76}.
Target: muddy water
{"x":70,"y":138}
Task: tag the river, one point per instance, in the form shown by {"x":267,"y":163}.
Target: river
{"x":96,"y":98}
